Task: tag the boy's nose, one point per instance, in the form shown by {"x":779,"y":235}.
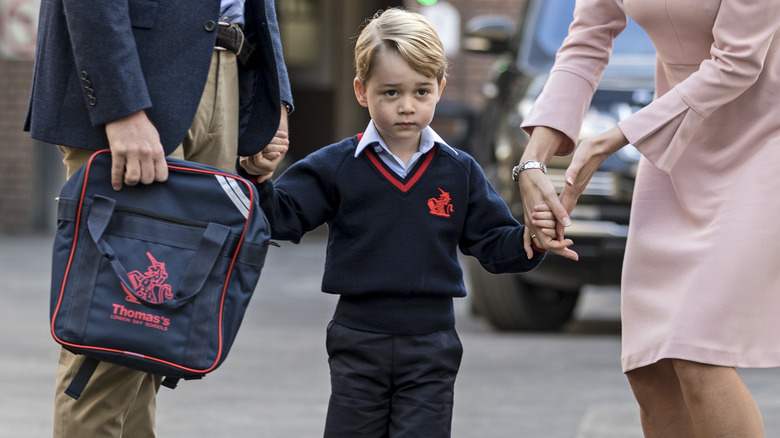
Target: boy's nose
{"x":406,"y":105}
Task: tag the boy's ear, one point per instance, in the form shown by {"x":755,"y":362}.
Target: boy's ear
{"x":360,"y":92}
{"x":441,"y":88}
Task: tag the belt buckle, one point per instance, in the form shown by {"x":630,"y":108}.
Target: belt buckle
{"x":237,"y":42}
{"x":237,"y":38}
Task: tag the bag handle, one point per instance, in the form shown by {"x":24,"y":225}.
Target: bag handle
{"x":197,"y":271}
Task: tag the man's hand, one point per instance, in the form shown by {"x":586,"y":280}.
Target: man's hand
{"x":136,"y":152}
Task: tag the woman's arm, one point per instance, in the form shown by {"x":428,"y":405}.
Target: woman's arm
{"x":555,"y":120}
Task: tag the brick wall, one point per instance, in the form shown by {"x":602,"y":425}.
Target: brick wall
{"x":16,"y":149}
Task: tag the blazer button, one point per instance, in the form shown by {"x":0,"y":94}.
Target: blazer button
{"x":210,"y":26}
{"x":84,"y":75}
{"x":92,"y":101}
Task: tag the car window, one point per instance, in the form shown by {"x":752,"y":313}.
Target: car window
{"x":548,"y":31}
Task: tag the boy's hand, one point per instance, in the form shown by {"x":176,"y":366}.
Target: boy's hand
{"x":266,"y":161}
{"x":543,"y":219}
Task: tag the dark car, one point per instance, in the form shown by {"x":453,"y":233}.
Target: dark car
{"x":544,"y":299}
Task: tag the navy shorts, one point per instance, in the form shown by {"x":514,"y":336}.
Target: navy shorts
{"x":389,"y":386}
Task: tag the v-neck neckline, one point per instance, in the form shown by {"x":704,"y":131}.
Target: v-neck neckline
{"x":402,"y":184}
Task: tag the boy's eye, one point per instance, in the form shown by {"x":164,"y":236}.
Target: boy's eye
{"x":422,"y":92}
{"x":391,"y":93}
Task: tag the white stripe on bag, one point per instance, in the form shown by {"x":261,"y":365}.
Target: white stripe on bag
{"x":234,"y":192}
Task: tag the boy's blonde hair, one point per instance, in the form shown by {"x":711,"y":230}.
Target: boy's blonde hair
{"x":409,"y":34}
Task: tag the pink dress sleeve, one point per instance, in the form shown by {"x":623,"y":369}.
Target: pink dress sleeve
{"x":742,"y":34}
{"x":579,"y":65}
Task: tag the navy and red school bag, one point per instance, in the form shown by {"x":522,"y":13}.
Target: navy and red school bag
{"x":154,"y":277}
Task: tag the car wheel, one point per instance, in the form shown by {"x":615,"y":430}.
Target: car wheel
{"x":511,"y":304}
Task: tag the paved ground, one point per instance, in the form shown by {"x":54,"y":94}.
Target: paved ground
{"x":275,"y":381}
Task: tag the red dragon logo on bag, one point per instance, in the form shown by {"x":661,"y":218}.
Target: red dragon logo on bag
{"x":150,"y":285}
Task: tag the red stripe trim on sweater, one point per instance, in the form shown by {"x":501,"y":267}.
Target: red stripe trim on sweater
{"x":391,"y":177}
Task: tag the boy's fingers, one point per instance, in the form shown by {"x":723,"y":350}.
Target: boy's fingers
{"x":561,"y":213}
{"x":561,"y":247}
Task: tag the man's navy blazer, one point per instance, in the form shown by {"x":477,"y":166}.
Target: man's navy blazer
{"x":100,"y":60}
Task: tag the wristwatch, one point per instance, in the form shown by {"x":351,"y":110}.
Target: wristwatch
{"x":530,"y":164}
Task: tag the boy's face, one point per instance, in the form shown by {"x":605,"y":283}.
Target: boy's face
{"x":400,"y":100}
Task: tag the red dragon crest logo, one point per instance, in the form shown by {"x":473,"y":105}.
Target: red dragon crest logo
{"x":150,"y":285}
{"x":441,"y":206}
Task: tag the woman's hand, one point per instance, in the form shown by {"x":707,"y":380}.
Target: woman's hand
{"x":546,"y":235}
{"x":587,"y":158}
{"x":536,"y":189}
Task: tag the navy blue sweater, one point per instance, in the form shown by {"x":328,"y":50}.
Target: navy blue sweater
{"x":392,"y":242}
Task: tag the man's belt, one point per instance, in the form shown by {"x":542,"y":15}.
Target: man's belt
{"x":232,"y":38}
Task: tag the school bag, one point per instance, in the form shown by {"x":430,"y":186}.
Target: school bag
{"x":154,"y":277}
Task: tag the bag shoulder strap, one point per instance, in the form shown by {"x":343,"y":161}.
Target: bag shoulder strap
{"x":81,"y":378}
{"x":88,"y":367}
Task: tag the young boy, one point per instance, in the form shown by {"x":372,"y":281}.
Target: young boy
{"x":398,"y":202}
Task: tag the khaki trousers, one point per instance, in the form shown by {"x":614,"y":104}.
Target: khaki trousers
{"x":118,"y":401}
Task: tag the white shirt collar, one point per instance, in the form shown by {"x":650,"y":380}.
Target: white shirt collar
{"x":428,"y":139}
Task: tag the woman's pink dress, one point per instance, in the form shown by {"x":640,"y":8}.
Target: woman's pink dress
{"x":701,"y":277}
